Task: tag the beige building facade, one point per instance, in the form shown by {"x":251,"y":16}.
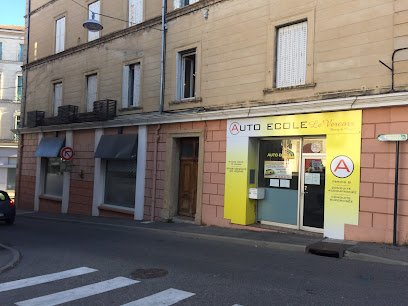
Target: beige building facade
{"x":229,"y":64}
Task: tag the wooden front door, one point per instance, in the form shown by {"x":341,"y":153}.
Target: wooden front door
{"x":187,"y":198}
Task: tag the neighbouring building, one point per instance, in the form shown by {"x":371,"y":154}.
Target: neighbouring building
{"x":11,"y":80}
{"x":269,"y":117}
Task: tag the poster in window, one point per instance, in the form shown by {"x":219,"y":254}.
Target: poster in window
{"x":278,"y":169}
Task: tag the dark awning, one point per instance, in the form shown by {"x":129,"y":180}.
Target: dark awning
{"x":117,"y":147}
{"x":50,"y":147}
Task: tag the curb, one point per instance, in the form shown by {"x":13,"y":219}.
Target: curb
{"x":13,"y":262}
{"x":372,"y":258}
{"x":241,"y":241}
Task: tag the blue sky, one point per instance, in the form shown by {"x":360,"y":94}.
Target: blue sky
{"x":12,"y":12}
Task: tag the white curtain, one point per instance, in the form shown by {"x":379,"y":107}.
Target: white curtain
{"x":91,"y":91}
{"x":60,"y":35}
{"x":135,"y":12}
{"x":57,"y":97}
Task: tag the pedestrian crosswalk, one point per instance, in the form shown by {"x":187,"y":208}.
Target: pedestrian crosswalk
{"x":170,"y":296}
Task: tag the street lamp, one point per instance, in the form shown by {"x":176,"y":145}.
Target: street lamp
{"x":92,"y":24}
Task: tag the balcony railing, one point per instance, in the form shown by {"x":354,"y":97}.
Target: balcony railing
{"x":102,"y":110}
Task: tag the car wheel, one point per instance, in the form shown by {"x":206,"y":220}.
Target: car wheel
{"x":10,"y":221}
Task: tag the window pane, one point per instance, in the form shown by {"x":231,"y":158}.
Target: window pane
{"x":187,"y":149}
{"x":11,"y":178}
{"x":19,"y":87}
{"x":53,"y":177}
{"x":57,"y":97}
{"x":120,"y":183}
{"x":21,"y":57}
{"x":91,"y":91}
{"x":1,"y":51}
{"x":314,"y":145}
{"x":189,"y":76}
{"x":94,"y":7}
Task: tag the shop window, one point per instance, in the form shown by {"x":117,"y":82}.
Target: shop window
{"x":183,"y":3}
{"x":279,"y":163}
{"x":91,"y":91}
{"x":60,"y":35}
{"x":120,"y":183}
{"x":11,"y":178}
{"x":135,"y":12}
{"x":186,"y":78}
{"x":53,"y":176}
{"x":131,"y":86}
{"x":291,"y":55}
{"x":94,"y":8}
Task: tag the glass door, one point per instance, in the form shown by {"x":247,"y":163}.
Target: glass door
{"x":313,"y":184}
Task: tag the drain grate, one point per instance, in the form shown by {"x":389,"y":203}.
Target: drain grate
{"x":148,"y":273}
{"x":328,"y":249}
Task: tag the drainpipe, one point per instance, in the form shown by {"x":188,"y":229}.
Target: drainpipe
{"x":156,"y":144}
{"x":23,"y":104}
{"x":163,"y":56}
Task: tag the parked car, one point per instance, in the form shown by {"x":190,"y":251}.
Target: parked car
{"x":7,"y":208}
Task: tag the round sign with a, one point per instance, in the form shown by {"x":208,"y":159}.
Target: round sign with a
{"x":67,"y":153}
{"x":342,"y":166}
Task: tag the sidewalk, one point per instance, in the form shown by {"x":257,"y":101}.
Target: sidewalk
{"x":284,"y":241}
{"x":9,"y":257}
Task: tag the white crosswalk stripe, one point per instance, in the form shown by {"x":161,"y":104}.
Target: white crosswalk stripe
{"x":167,"y":297}
{"x":79,"y":293}
{"x":27,"y":282}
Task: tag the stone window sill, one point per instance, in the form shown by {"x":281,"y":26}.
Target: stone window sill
{"x":50,"y":197}
{"x":270,"y":90}
{"x":190,"y":100}
{"x":127,"y":211}
{"x":134,"y":108}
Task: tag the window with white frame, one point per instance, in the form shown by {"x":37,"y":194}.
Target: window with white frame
{"x":291,"y":55}
{"x":94,"y":8}
{"x":56,"y":97}
{"x":60,"y":35}
{"x":182,"y":3}
{"x":131,"y":86}
{"x":91,"y":91}
{"x":186,"y":78}
{"x":135,"y":12}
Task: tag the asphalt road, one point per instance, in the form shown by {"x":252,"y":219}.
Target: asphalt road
{"x":216,"y":273}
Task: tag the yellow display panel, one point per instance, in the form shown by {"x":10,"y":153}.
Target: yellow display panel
{"x":343,"y":134}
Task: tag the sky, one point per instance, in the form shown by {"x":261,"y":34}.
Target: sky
{"x":12,"y":12}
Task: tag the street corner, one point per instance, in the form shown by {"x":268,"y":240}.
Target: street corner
{"x":9,"y":257}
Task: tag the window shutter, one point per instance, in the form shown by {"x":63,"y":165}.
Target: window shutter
{"x":291,"y":55}
{"x":135,"y":12}
{"x":177,"y":4}
{"x":21,"y":57}
{"x":125,"y":87}
{"x":136,"y":86}
{"x":19,"y":87}
{"x":94,"y":7}
{"x":1,"y":51}
{"x":193,"y":1}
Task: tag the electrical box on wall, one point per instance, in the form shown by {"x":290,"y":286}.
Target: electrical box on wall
{"x":257,"y":193}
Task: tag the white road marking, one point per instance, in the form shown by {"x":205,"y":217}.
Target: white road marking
{"x":79,"y":293}
{"x":167,"y":297}
{"x":27,"y":282}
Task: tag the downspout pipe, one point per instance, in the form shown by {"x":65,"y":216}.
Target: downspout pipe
{"x":23,"y":104}
{"x":392,"y":68}
{"x":163,"y":56}
{"x":156,"y":149}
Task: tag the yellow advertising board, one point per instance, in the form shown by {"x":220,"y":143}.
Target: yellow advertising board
{"x":343,"y":151}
